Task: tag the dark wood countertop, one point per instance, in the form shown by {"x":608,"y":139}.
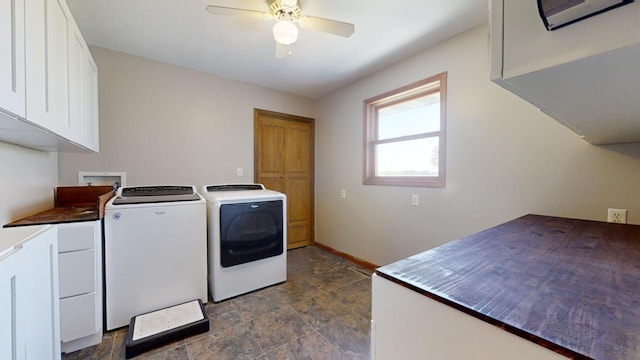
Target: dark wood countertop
{"x":72,"y":204}
{"x":58,"y":215}
{"x":572,"y":286}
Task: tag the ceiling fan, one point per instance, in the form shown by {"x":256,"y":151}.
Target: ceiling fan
{"x":287,"y":13}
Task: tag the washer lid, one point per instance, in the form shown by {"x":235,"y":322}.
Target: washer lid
{"x":155,"y":194}
{"x":235,"y":187}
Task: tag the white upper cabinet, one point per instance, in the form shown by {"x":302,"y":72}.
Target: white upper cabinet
{"x":12,"y":76}
{"x":75,"y":53}
{"x":47,"y":71}
{"x":583,"y":75}
{"x":43,"y":66}
{"x":83,"y":91}
{"x":90,"y":102}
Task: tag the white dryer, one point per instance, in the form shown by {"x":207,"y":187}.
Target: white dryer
{"x":155,"y":249}
{"x":247,"y":237}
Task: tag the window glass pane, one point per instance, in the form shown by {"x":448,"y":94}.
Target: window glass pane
{"x":416,"y":116}
{"x":404,"y":135}
{"x":408,"y":158}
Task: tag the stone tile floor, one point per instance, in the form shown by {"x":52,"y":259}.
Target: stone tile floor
{"x":322,"y":311}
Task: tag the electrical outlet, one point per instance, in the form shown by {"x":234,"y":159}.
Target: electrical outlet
{"x":415,"y":200}
{"x":239,"y":171}
{"x":618,"y":216}
{"x":343,"y":193}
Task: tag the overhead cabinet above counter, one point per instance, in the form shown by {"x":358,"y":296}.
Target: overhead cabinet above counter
{"x":585,"y":74}
{"x":48,"y":79}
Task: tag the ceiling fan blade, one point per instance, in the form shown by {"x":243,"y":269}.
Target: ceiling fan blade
{"x":325,"y":25}
{"x":221,"y":10}
{"x":282,"y":51}
{"x":289,"y":3}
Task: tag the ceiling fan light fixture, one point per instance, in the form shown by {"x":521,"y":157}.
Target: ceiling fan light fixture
{"x":285,"y":32}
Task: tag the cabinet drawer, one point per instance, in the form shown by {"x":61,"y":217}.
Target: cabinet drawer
{"x":77,"y":272}
{"x":78,"y":317}
{"x":76,"y":236}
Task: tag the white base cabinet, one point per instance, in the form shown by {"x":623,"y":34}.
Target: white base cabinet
{"x":29,"y":304}
{"x":409,"y":325}
{"x":80,"y":264}
{"x":11,"y":334}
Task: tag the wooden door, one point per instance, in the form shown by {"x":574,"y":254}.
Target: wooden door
{"x":284,"y":163}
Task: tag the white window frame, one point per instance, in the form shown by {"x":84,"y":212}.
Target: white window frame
{"x":431,"y":85}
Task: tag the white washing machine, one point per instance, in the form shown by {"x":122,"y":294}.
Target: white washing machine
{"x":155,"y":249}
{"x":247,"y":236}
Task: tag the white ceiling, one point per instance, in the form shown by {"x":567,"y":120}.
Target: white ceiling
{"x":183,"y":33}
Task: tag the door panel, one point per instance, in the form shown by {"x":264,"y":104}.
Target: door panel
{"x":298,"y":212}
{"x":272,"y":149}
{"x":284,"y":162}
{"x":270,"y":158}
{"x":299,"y":235}
{"x":273,"y":183}
{"x":297,"y":193}
{"x":298,"y":148}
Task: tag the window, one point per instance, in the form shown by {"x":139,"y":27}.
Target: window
{"x":404,"y":135}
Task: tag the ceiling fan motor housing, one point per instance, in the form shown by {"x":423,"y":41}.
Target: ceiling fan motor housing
{"x":285,"y":10}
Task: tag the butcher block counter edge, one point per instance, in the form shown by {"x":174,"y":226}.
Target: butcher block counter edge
{"x":589,"y":240}
{"x":58,"y":216}
{"x":72,"y":204}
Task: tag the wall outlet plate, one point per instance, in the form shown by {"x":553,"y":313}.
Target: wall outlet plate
{"x":618,"y":216}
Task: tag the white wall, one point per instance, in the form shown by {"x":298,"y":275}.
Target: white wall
{"x":504,"y":159}
{"x":27,"y":181}
{"x":165,"y":124}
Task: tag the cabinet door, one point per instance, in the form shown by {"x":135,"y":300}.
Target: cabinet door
{"x":90,"y":102}
{"x":39,"y":295}
{"x":12,"y":75}
{"x":11,"y":345}
{"x":529,"y":47}
{"x":83,"y":91}
{"x":46,"y":65}
{"x":75,"y":52}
